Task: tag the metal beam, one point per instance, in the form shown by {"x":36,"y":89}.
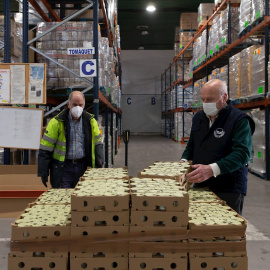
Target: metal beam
{"x":40,"y":11}
{"x":50,"y":9}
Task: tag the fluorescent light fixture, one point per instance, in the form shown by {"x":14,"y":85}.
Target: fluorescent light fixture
{"x":141,"y":48}
{"x":151,"y":8}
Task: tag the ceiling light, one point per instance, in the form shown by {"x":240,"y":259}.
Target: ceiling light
{"x":141,"y":48}
{"x":151,"y":8}
{"x":144,"y":33}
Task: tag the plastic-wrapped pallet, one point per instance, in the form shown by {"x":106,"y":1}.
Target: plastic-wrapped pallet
{"x":204,"y":10}
{"x":246,"y":70}
{"x":186,"y":71}
{"x":259,"y":166}
{"x":202,"y":48}
{"x":235,"y":77}
{"x":223,"y":38}
{"x":196,"y":50}
{"x":197,"y":94}
{"x":223,"y":74}
{"x":214,"y":74}
{"x":245,"y":14}
{"x":258,"y":76}
{"x":185,"y":37}
{"x":258,"y":9}
{"x":214,"y":34}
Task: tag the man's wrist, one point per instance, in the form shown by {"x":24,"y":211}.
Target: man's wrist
{"x":215,"y":168}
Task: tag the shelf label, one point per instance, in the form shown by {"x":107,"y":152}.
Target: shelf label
{"x":260,"y":90}
{"x":224,"y":40}
{"x":80,"y":51}
{"x":88,"y":68}
{"x":259,"y":154}
{"x":258,"y":14}
{"x":246,"y":23}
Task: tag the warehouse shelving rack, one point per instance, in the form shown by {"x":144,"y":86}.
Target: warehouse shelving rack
{"x":222,"y":58}
{"x":98,"y":97}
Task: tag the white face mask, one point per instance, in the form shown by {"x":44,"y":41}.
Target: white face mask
{"x":211,"y":108}
{"x":77,"y":111}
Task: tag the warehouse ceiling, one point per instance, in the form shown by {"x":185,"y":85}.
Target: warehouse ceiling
{"x":161,"y":23}
{"x":132,"y":13}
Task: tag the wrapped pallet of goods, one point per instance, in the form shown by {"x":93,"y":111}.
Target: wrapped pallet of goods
{"x":205,"y":10}
{"x":196,"y":93}
{"x":213,"y":39}
{"x":258,"y":10}
{"x":246,"y":70}
{"x":258,"y":164}
{"x":245,"y":14}
{"x":188,"y":21}
{"x":159,"y":212}
{"x":185,"y":37}
{"x":223,"y":74}
{"x":258,"y":70}
{"x":223,"y":36}
{"x":235,"y":90}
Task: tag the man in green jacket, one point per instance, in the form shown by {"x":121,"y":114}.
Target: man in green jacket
{"x":220,"y":146}
{"x":71,"y":143}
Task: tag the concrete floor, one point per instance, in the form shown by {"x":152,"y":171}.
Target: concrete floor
{"x":143,"y":151}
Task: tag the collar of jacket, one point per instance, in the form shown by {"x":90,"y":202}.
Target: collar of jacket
{"x":64,"y":115}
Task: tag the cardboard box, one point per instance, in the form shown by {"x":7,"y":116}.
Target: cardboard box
{"x":18,"y":178}
{"x":154,"y":233}
{"x":158,"y":263}
{"x":99,"y":263}
{"x":168,"y":204}
{"x":38,"y":254}
{"x":103,"y":230}
{"x":98,"y":255}
{"x":38,"y":232}
{"x":228,"y":263}
{"x":188,"y":21}
{"x":104,"y":203}
{"x":44,"y":263}
{"x":102,"y":218}
{"x":159,"y":218}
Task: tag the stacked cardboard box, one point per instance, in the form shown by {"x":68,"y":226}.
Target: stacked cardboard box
{"x":185,"y":37}
{"x":219,"y":233}
{"x":159,"y":207}
{"x":188,"y":21}
{"x":48,"y":217}
{"x":235,"y":80}
{"x":100,"y":206}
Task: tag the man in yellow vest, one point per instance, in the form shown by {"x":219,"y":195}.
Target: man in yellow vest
{"x":71,"y":143}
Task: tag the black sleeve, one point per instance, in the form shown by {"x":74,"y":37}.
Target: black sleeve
{"x":44,"y":159}
{"x":99,"y":157}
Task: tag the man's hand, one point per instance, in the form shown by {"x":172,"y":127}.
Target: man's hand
{"x":44,"y":180}
{"x":200,"y":174}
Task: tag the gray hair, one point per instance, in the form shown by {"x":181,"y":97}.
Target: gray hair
{"x":223,"y":88}
{"x":71,"y":96}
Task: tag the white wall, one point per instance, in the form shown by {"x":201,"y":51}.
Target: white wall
{"x":141,"y":72}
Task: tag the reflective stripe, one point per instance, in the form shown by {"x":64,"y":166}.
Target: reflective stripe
{"x":50,"y":140}
{"x":61,"y":143}
{"x":99,"y":142}
{"x":59,"y":152}
{"x":97,"y":137}
{"x":46,"y":148}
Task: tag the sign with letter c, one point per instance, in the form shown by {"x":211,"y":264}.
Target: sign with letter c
{"x":128,"y":101}
{"x":88,"y":68}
